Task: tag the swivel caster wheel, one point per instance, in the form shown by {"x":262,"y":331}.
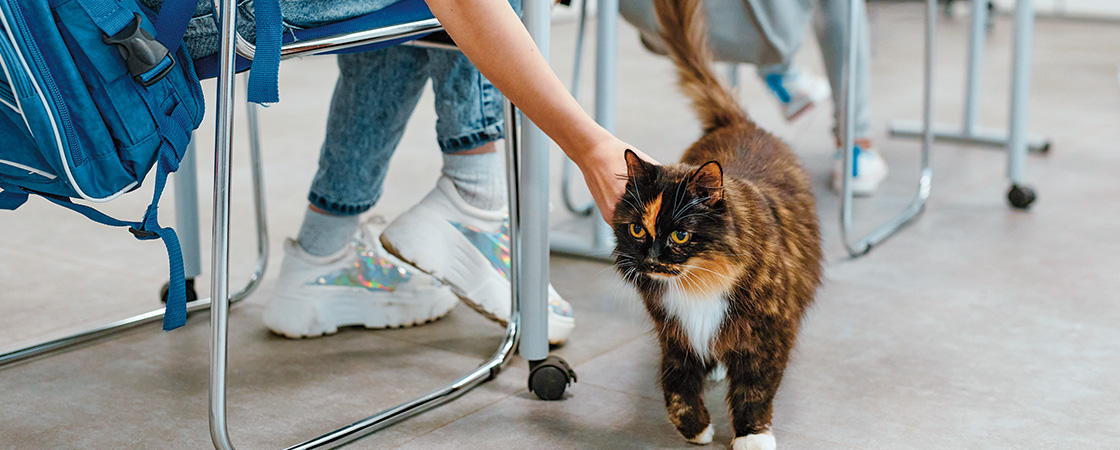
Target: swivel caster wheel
{"x":1020,"y":197}
{"x":192,"y":295}
{"x":550,"y":377}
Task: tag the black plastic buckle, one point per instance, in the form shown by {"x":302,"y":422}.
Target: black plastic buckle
{"x":141,"y":51}
{"x":143,"y":234}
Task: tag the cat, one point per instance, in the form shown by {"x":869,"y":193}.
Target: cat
{"x":724,"y":249}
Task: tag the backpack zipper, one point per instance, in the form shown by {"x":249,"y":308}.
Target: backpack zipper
{"x":53,"y":96}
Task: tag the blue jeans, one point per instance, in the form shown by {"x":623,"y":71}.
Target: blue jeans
{"x":373,"y":99}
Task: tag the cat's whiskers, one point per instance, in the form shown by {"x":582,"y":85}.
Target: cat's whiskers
{"x":691,"y":204}
{"x":721,"y":275}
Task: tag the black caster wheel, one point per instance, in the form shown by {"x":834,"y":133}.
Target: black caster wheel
{"x":192,"y":295}
{"x":1020,"y":197}
{"x":550,"y":377}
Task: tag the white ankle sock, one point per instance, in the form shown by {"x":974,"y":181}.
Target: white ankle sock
{"x":325,"y":234}
{"x":480,"y":179}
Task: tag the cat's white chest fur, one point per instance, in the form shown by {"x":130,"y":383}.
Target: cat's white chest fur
{"x":700,"y":316}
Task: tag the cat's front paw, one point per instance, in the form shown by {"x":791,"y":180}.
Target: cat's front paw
{"x":705,"y":437}
{"x":761,"y":441}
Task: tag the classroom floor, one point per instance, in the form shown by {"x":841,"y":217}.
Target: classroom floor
{"x":978,"y":327}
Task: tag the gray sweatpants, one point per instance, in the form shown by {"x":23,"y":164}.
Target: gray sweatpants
{"x":831,"y":26}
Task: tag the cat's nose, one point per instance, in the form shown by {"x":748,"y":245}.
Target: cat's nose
{"x":654,"y":252}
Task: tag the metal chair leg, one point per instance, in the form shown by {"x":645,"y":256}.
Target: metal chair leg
{"x":1020,"y":196}
{"x":606,"y":76}
{"x":917,"y":205}
{"x":219,"y":259}
{"x":186,"y":200}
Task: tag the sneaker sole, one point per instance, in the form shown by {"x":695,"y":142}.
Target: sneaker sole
{"x":475,"y":306}
{"x":341,"y":313}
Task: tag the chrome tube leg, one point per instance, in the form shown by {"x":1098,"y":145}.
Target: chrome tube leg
{"x":586,"y":209}
{"x":186,"y":212}
{"x":1020,"y":90}
{"x":606,"y":76}
{"x":976,"y":40}
{"x":606,"y":101}
{"x":257,"y":173}
{"x":917,"y":205}
{"x":532,"y":234}
{"x":847,"y":125}
{"x":219,"y":267}
{"x":1017,"y":143}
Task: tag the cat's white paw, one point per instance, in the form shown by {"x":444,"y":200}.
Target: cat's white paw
{"x":763,"y":441}
{"x":705,"y":437}
{"x":719,"y":373}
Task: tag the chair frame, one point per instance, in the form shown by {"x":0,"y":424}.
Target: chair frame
{"x":528,"y":229}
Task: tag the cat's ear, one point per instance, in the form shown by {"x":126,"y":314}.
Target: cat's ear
{"x":636,"y":167}
{"x":707,"y":181}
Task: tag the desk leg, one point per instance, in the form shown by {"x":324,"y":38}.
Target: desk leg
{"x":1020,"y":196}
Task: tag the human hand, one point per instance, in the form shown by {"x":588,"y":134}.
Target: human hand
{"x":604,"y":171}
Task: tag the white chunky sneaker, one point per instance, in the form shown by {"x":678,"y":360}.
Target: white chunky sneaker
{"x":361,"y":285}
{"x":797,"y":92}
{"x":467,"y":248}
{"x":868,"y":172}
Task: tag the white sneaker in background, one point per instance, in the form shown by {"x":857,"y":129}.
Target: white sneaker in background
{"x":361,"y":285}
{"x":797,"y":92}
{"x":868,"y":172}
{"x":467,"y":248}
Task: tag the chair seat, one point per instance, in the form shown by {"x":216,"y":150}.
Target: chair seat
{"x":401,"y":12}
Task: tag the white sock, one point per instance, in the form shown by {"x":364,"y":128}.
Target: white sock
{"x":480,"y":179}
{"x":325,"y":234}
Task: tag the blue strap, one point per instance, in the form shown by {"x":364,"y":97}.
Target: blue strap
{"x":108,"y":15}
{"x":11,"y":200}
{"x":157,"y":70}
{"x":264,"y":76}
{"x":171,"y":25}
{"x":175,"y":314}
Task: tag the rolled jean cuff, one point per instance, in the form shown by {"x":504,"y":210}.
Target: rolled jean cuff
{"x":338,"y":208}
{"x":473,"y":139}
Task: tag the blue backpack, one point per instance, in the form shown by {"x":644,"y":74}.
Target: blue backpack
{"x":93,"y":93}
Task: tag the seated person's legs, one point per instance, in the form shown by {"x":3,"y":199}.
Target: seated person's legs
{"x":831,"y":26}
{"x":798,"y":91}
{"x":457,"y":233}
{"x":335,"y":273}
{"x":795,"y":90}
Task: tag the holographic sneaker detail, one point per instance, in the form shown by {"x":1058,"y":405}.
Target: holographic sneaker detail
{"x":369,"y":270}
{"x":494,"y":246}
{"x":559,"y":307}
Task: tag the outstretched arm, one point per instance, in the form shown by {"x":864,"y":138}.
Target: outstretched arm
{"x":493,"y":38}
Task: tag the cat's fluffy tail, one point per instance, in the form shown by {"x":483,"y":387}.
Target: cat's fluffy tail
{"x":684,"y":31}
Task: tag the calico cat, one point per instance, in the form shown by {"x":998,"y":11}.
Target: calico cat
{"x":724,"y":249}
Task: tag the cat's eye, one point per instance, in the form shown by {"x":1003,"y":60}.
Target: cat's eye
{"x":680,"y":237}
{"x":637,"y":231}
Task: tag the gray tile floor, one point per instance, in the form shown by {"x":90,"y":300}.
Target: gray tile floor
{"x":979,"y":327}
